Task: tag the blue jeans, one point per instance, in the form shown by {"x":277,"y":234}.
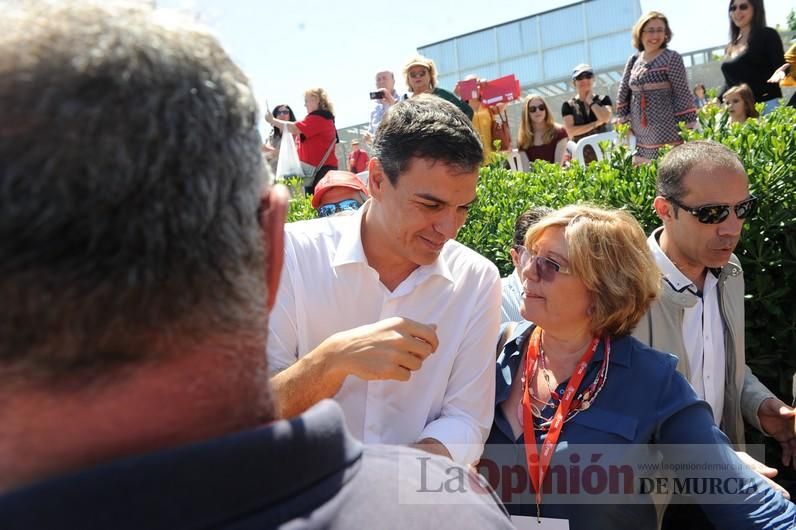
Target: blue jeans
{"x":770,"y":105}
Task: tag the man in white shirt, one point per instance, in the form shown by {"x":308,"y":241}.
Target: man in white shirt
{"x":385,"y":87}
{"x":703,"y":200}
{"x":383,"y":310}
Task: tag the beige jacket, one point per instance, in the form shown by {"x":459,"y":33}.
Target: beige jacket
{"x":662,"y":329}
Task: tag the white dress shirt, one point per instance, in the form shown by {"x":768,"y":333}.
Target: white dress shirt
{"x":703,"y":332}
{"x":327,"y":286}
{"x":512,"y":298}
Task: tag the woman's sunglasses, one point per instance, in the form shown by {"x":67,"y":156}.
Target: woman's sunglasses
{"x":534,"y":108}
{"x":282,"y":111}
{"x":712,"y":214}
{"x":546,"y":269}
{"x":742,"y":7}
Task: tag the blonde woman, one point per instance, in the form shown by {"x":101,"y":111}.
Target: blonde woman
{"x":540,"y":136}
{"x":317,"y":136}
{"x":740,"y":102}
{"x":420,"y":74}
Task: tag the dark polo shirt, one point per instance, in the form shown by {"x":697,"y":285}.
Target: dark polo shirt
{"x":304,"y":473}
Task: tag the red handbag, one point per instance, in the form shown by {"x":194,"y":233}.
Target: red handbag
{"x":500,"y":129}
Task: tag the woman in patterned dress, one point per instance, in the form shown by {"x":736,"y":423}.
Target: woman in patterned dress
{"x":654,"y":95}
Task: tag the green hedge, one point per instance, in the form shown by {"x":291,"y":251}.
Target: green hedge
{"x":767,"y":250}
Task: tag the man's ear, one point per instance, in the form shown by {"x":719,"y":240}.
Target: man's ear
{"x":515,"y":257}
{"x":663,"y":208}
{"x":273,"y":211}
{"x":377,"y":179}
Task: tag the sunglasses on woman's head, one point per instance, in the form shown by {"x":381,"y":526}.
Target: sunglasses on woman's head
{"x":534,"y":108}
{"x":713,"y":214}
{"x":546,"y":269}
{"x":742,"y":7}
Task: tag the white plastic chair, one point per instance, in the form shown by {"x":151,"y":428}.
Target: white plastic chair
{"x":594,"y":141}
{"x":518,"y":160}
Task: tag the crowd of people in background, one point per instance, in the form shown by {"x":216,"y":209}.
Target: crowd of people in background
{"x":173,"y":355}
{"x":653,"y":97}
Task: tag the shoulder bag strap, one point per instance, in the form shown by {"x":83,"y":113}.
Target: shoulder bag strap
{"x":325,"y":156}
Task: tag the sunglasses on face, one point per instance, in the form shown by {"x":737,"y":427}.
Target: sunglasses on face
{"x":282,"y":111}
{"x":418,"y":73}
{"x":585,"y":75}
{"x":654,"y":30}
{"x":336,"y":207}
{"x":546,"y":269}
{"x":712,"y":214}
{"x":534,"y":108}
{"x":741,"y":7}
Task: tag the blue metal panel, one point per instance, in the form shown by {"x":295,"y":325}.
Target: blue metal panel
{"x":560,"y":61}
{"x":510,"y":40}
{"x":611,"y":50}
{"x":562,"y":26}
{"x":607,"y":16}
{"x":476,"y":48}
{"x":448,"y":82}
{"x":530,"y":34}
{"x":443,"y":54}
{"x":527,"y":69}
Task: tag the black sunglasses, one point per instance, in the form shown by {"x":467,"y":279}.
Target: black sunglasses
{"x":534,"y":108}
{"x":712,"y":214}
{"x":584,"y":75}
{"x":742,"y":7}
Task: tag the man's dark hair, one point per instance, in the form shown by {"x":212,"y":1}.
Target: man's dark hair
{"x":678,"y":162}
{"x":527,"y":219}
{"x":130,"y":181}
{"x":430,"y":128}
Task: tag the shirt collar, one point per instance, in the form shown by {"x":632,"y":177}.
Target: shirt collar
{"x":669,"y":270}
{"x":350,"y":249}
{"x":509,"y":358}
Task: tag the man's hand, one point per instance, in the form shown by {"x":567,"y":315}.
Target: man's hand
{"x":389,"y":349}
{"x":388,"y":97}
{"x":779,"y":421}
{"x":764,"y":471}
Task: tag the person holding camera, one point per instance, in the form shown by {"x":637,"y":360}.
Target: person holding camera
{"x":385,"y":97}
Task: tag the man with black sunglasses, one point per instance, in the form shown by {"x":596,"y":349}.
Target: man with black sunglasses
{"x":703,"y":201}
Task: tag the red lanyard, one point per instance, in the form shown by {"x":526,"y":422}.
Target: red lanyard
{"x":538,"y":466}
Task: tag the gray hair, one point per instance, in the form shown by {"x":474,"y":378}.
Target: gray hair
{"x":129,"y":190}
{"x":681,"y":160}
